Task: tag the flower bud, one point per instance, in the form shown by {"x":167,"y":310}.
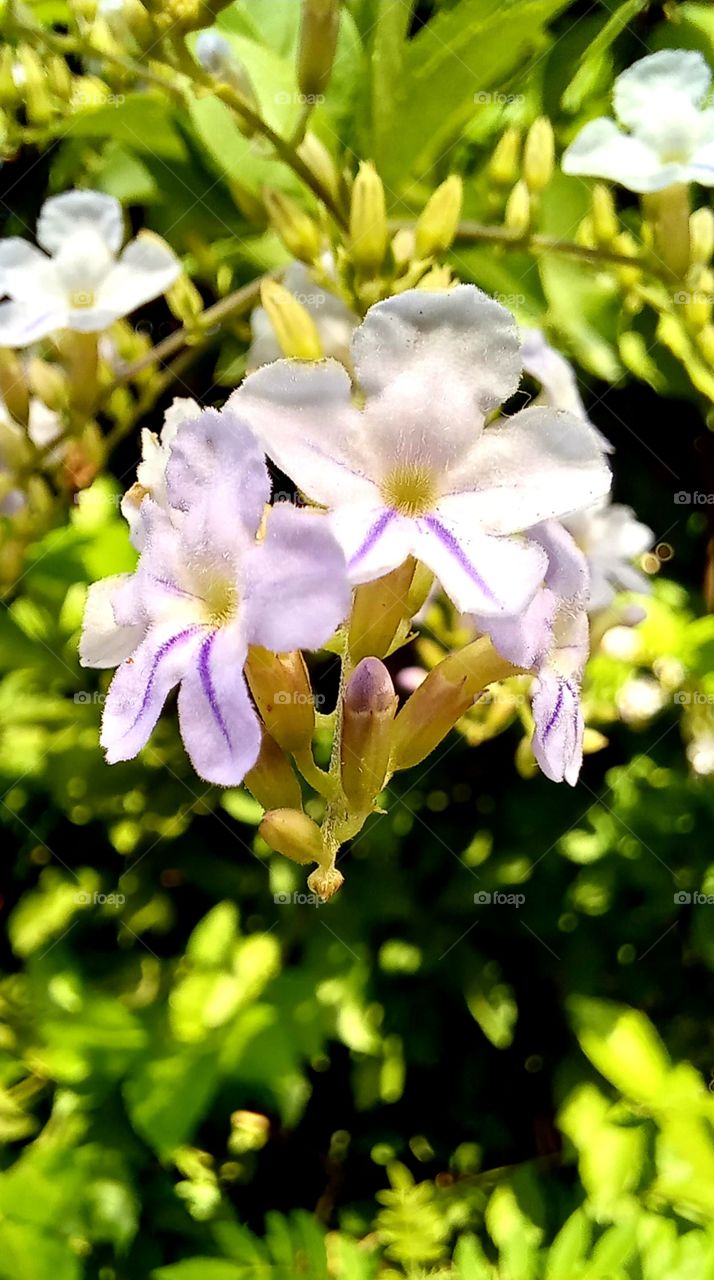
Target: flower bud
{"x":378,"y":609}
{"x":292,"y":833}
{"x":10,"y":72}
{"x":369,"y":233}
{"x":368,"y":708}
{"x":319,"y":29}
{"x":35,"y":89}
{"x":184,"y":301}
{"x":318,"y":159}
{"x":604,"y":216}
{"x":698,"y":307}
{"x":59,"y":78}
{"x":448,"y":691}
{"x":325,"y":881}
{"x":47,"y":382}
{"x":517,"y":215}
{"x":13,"y":386}
{"x":282,"y":692}
{"x":272,"y":779}
{"x":705,"y":342}
{"x":293,"y":325}
{"x":539,"y":154}
{"x":701,"y":235}
{"x":297,"y":230}
{"x":437,"y":224}
{"x":503,"y":167}
{"x":216,"y":55}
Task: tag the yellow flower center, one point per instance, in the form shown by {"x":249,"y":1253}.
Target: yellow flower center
{"x":221,"y":603}
{"x":410,"y":489}
{"x":80,"y":298}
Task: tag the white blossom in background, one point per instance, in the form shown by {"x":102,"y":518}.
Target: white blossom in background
{"x":611,"y":538}
{"x":334,"y":321}
{"x":664,"y":133}
{"x":78,"y":279}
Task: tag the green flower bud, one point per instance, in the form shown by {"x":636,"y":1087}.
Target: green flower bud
{"x":436,"y":227}
{"x":539,"y":155}
{"x":369,"y":233}
{"x":701,"y":235}
{"x":319,"y":29}
{"x":517,"y":216}
{"x":297,"y":230}
{"x":292,"y":833}
{"x":282,"y":692}
{"x":48,"y":382}
{"x":503,"y":167}
{"x":13,"y":386}
{"x":292,"y":323}
{"x":184,"y":301}
{"x":605,"y":223}
{"x":368,"y":709}
{"x":378,"y":609}
{"x":35,"y":87}
{"x":272,"y":779}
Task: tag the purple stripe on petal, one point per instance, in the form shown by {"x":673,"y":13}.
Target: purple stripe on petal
{"x":447,"y":539}
{"x":204,"y":672}
{"x":372,"y":538}
{"x":553,"y":718}
{"x":160,"y":654}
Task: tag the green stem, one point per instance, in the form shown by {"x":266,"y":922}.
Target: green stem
{"x":668,"y":214}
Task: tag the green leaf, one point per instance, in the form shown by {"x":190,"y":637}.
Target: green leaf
{"x":624,"y":1047}
{"x":201,"y":1269}
{"x":569,"y":1248}
{"x":590,"y":63}
{"x":142,"y":121}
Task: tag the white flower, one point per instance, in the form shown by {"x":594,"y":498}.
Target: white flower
{"x":611,"y":539}
{"x":414,"y":472}
{"x":334,"y":321}
{"x":151,"y":471}
{"x":556,"y":376}
{"x":667,"y":135}
{"x":78,"y":282}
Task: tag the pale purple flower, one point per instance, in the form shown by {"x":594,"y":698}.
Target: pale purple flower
{"x":78,"y":282}
{"x":416,"y":471}
{"x":611,"y":538}
{"x":665,"y":133}
{"x":551,"y":639}
{"x":151,"y":471}
{"x":204,"y":590}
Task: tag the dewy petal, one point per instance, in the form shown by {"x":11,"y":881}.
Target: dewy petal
{"x":147,"y":268}
{"x":217,"y":466}
{"x":652,"y":86}
{"x":374,"y":539}
{"x":141,"y":686}
{"x":61,"y":215}
{"x":481,"y":574}
{"x":21,"y":324}
{"x":540,"y":464}
{"x":558,"y":735}
{"x":294,"y":583}
{"x":439,"y":360}
{"x":219,"y":727}
{"x":304,"y":418}
{"x":601,"y":150}
{"x":103,"y":642}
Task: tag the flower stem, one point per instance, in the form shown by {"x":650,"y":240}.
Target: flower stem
{"x":668,"y":214}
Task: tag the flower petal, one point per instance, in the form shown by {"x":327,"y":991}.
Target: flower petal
{"x":567,"y":573}
{"x":219,"y":727}
{"x":657,"y":84}
{"x":26,"y":273}
{"x":140,"y":687}
{"x":294,"y":583}
{"x":216,"y":473}
{"x":22,"y":324}
{"x":541,"y":463}
{"x":60,"y":216}
{"x":146,"y":269}
{"x":525,"y":638}
{"x":457,"y":347}
{"x":601,"y":150}
{"x":105,"y":643}
{"x":558,"y":735}
{"x":374,"y":539}
{"x":482,"y":575}
{"x":304,"y":418}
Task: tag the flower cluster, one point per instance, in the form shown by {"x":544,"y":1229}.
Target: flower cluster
{"x":410,"y":469}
